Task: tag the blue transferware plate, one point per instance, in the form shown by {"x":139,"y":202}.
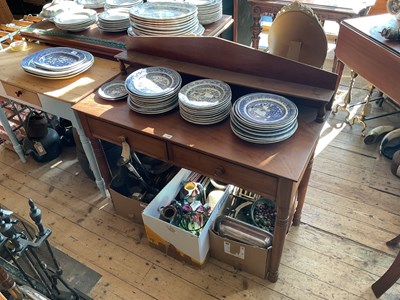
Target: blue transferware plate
{"x":270,"y":134}
{"x":162,"y":10}
{"x":153,"y":82}
{"x":265,"y":109}
{"x":59,"y":58}
{"x":64,"y":67}
{"x":262,"y":140}
{"x":70,"y":74}
{"x":113,"y":90}
{"x":150,"y":111}
{"x":205,"y":93}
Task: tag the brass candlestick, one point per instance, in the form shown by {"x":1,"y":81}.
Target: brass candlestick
{"x":365,"y":110}
{"x":347,"y":98}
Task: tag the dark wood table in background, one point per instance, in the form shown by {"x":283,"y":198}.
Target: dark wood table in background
{"x":361,"y":47}
{"x":99,"y":42}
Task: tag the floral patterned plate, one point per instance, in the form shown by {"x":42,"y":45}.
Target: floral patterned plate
{"x":59,"y":58}
{"x":113,"y":90}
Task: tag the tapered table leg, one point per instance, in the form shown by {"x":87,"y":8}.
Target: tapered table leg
{"x":302,"y":193}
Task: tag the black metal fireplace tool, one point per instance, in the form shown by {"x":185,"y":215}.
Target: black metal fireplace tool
{"x":27,"y":256}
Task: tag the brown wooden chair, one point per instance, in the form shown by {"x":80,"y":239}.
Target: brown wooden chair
{"x":391,"y":275}
{"x":296,"y":33}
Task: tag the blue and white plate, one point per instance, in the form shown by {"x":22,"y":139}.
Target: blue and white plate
{"x":263,"y":140}
{"x":264,"y":118}
{"x":84,"y":67}
{"x":113,"y":90}
{"x":59,"y":58}
{"x":162,"y":11}
{"x":69,"y":66}
{"x":146,"y":110}
{"x":153,"y":82}
{"x":205,"y":94}
{"x":264,"y":109}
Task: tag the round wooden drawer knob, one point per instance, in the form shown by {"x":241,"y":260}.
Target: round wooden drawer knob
{"x":219,"y":171}
{"x":18,"y":93}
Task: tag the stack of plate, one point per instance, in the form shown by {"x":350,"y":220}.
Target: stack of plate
{"x":205,"y":101}
{"x":164,"y":18}
{"x":264,"y":118}
{"x":113,"y":20}
{"x":50,"y":10}
{"x":153,"y":90}
{"x":57,"y":62}
{"x":91,"y":3}
{"x":113,"y":90}
{"x":122,"y":4}
{"x":209,"y":11}
{"x":77,"y":20}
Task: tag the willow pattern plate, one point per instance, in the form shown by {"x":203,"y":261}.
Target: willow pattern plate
{"x":153,"y":81}
{"x":162,"y":10}
{"x":113,"y":90}
{"x":205,"y":93}
{"x":265,"y":109}
{"x":58,"y":58}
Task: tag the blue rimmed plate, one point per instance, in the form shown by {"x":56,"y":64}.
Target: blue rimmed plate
{"x":59,"y":58}
{"x":113,"y":90}
{"x":205,"y":94}
{"x":264,"y":109}
{"x":153,"y":82}
{"x":29,"y":66}
{"x":263,"y":139}
{"x":162,"y":11}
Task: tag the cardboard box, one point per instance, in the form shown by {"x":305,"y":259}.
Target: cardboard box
{"x":244,"y":257}
{"x":170,"y":239}
{"x":251,"y":259}
{"x":130,"y":208}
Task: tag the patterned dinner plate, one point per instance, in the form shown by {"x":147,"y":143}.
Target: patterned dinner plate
{"x":59,"y":58}
{"x":205,"y":93}
{"x":153,"y":82}
{"x":162,"y":10}
{"x":264,"y":109}
{"x":263,"y":140}
{"x":28,"y":64}
{"x":48,"y":75}
{"x":113,"y":90}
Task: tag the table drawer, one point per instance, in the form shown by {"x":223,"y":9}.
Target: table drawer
{"x":22,"y":94}
{"x":137,"y":141}
{"x":225,"y":171}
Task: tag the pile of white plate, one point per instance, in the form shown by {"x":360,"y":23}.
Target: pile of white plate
{"x":205,"y":101}
{"x":91,"y":3}
{"x":77,"y":20}
{"x":113,"y":20}
{"x":153,"y":90}
{"x":122,"y":4}
{"x":164,"y":18}
{"x":209,"y":11}
{"x":50,"y":10}
{"x":57,"y":62}
{"x":264,"y":118}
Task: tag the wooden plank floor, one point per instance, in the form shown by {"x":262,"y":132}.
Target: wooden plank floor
{"x":352,"y":208}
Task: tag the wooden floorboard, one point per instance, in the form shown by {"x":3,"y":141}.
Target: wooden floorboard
{"x":352,"y":208}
